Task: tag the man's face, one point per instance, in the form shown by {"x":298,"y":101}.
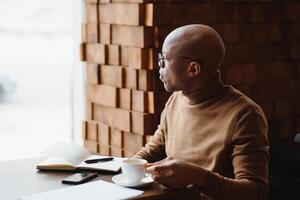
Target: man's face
{"x":172,"y":72}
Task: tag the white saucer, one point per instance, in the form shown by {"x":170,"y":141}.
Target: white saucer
{"x":120,"y":180}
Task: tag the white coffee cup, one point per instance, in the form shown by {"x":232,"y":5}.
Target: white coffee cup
{"x":133,"y":169}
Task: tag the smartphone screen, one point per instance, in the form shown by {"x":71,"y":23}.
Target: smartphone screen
{"x":78,"y":178}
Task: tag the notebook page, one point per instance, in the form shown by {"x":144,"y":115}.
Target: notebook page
{"x":93,"y":191}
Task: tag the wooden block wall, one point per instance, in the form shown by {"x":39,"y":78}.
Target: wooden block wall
{"x":121,"y":39}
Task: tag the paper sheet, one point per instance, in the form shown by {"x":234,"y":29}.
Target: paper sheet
{"x":92,"y":191}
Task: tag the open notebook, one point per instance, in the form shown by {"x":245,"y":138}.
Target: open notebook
{"x":70,"y":156}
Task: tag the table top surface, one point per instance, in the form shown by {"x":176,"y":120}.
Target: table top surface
{"x":20,"y":178}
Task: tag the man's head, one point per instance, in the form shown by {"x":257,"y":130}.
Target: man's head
{"x":191,"y":56}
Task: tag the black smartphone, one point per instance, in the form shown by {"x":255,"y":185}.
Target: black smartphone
{"x":80,"y":177}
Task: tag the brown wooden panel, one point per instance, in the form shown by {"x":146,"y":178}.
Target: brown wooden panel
{"x":103,"y":134}
{"x":139,"y":101}
{"x":83,"y":33}
{"x":92,"y":12}
{"x":116,"y":151}
{"x":112,"y":75}
{"x":91,"y":146}
{"x":116,"y":138}
{"x":104,"y":150}
{"x":127,"y":153}
{"x":122,"y":119}
{"x":122,"y":14}
{"x":143,"y":123}
{"x":114,"y":54}
{"x":139,"y":58}
{"x":156,"y":101}
{"x":125,"y":98}
{"x":84,"y":130}
{"x":133,"y":142}
{"x":103,"y":95}
{"x":96,"y":53}
{"x":82,"y":52}
{"x":93,"y":73}
{"x":136,"y":36}
{"x":103,"y":114}
{"x":131,"y":78}
{"x":92,"y":131}
{"x":92,"y":32}
{"x":105,"y":33}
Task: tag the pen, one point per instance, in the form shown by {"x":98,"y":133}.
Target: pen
{"x":98,"y":160}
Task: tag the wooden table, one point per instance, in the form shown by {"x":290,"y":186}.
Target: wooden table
{"x":20,"y":177}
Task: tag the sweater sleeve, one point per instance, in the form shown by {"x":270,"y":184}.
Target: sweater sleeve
{"x":250,"y":156}
{"x":155,"y":149}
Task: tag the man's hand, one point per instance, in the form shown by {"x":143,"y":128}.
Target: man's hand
{"x":176,"y":173}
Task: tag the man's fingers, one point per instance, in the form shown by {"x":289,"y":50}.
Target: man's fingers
{"x":155,"y":168}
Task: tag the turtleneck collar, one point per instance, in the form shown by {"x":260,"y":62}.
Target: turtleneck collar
{"x":206,"y":92}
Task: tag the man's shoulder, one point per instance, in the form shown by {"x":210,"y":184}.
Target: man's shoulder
{"x":242,"y":101}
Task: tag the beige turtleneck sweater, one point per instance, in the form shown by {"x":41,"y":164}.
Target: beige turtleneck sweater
{"x":224,"y":132}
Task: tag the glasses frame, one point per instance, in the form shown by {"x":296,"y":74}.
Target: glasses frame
{"x":161,"y":59}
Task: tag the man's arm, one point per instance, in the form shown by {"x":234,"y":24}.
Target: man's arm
{"x":250,"y":156}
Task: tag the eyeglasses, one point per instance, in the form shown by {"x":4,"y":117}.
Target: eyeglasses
{"x":162,"y":58}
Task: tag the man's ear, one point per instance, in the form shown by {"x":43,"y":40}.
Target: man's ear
{"x":194,"y":69}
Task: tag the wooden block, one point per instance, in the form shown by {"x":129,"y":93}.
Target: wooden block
{"x":193,"y":13}
{"x":261,"y":33}
{"x":92,"y":32}
{"x":136,"y":36}
{"x":286,"y":128}
{"x":83,"y":52}
{"x":127,"y":153}
{"x":116,"y":151}
{"x":156,"y":101}
{"x":284,"y":109}
{"x":149,"y":80}
{"x":103,"y":114}
{"x":84,"y":130}
{"x":105,"y":33}
{"x":133,"y":142}
{"x":103,"y":95}
{"x":92,"y":12}
{"x":96,"y":53}
{"x":230,"y":33}
{"x":116,"y":138}
{"x":139,"y":101}
{"x":91,"y":146}
{"x":160,"y":33}
{"x":145,"y":80}
{"x":139,"y":58}
{"x":143,"y":123}
{"x":125,"y":98}
{"x":104,"y":150}
{"x":90,"y":110}
{"x":83,"y":33}
{"x":103,"y":134}
{"x":121,"y":119}
{"x":131,"y":78}
{"x":268,"y":109}
{"x":91,"y":1}
{"x":115,"y":14}
{"x":93,"y":73}
{"x":92,"y":131}
{"x":114,"y":54}
{"x":157,"y":14}
{"x":112,"y":75}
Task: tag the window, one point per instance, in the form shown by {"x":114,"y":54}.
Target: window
{"x":37,"y":74}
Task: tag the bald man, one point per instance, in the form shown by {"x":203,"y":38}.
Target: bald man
{"x":210,"y":134}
